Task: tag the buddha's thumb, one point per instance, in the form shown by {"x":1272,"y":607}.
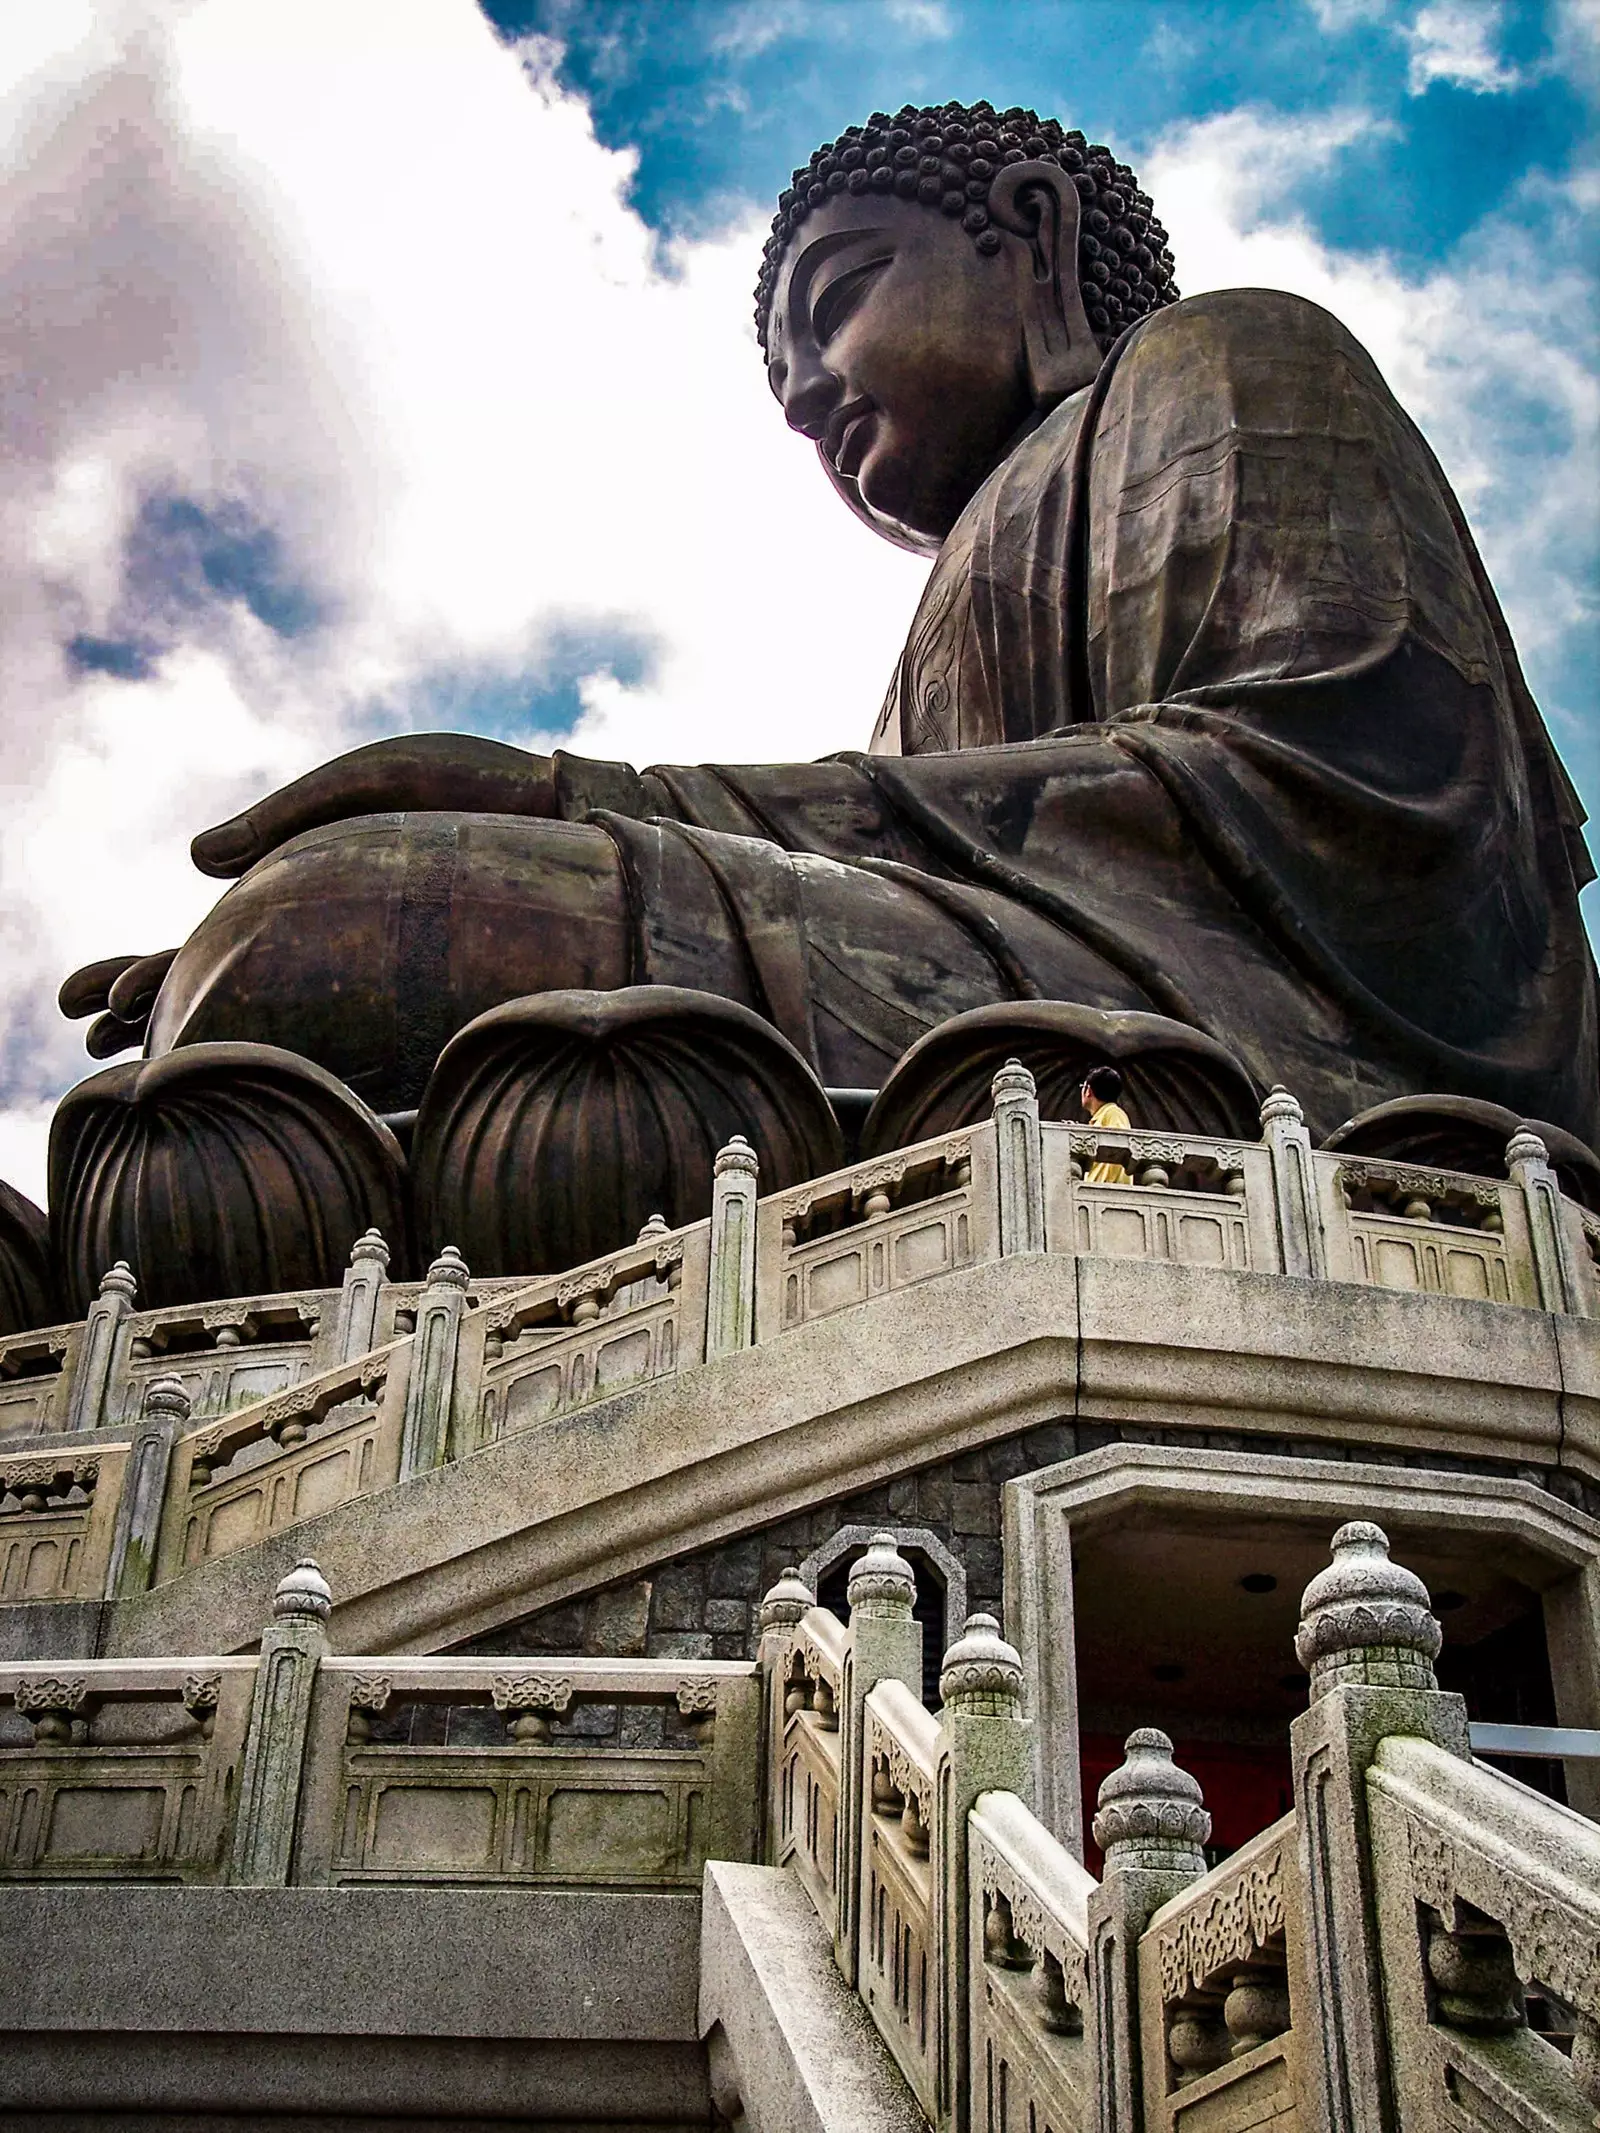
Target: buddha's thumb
{"x":229,"y":849}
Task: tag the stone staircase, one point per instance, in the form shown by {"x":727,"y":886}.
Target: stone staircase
{"x":460,"y":1455}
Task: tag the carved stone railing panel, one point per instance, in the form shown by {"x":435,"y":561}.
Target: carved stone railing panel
{"x":1488,"y":1896}
{"x":1193,"y":1201}
{"x":1400,"y":1226}
{"x":1028,"y":1934}
{"x":130,"y":1773}
{"x":570,"y":1773}
{"x":805,"y":1795}
{"x":875,"y":1228}
{"x":35,"y":1380}
{"x":57,"y":1511}
{"x":322,"y":1442}
{"x":900,"y":1894}
{"x":545,"y":1347}
{"x":562,"y":1772}
{"x":1215,"y":1966}
{"x":227,"y":1355}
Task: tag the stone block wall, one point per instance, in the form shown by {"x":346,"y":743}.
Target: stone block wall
{"x":703,"y":1605}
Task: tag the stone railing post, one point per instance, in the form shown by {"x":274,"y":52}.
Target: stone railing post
{"x":1151,"y":1824}
{"x":293,"y":1645}
{"x":425,"y":1434}
{"x":1368,"y":1640}
{"x":97,"y":1354}
{"x":356,"y":1327}
{"x":1019,"y":1158}
{"x":1301,"y":1248}
{"x":985,"y":1745}
{"x":144,"y":1488}
{"x":731,"y":1290}
{"x":885,"y":1645}
{"x":1528,"y":1164}
{"x":782,"y":1607}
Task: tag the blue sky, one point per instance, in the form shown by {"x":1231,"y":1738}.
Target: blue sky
{"x":1478,"y":120}
{"x":391,"y":365}
{"x":721,"y":97}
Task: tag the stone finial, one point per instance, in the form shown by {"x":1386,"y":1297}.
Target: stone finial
{"x":655,"y":1227}
{"x":737,"y":1156}
{"x":882,"y":1584}
{"x":118,"y":1281}
{"x":303,"y":1595}
{"x":982,"y":1674}
{"x":1012,"y":1082}
{"x":1365,"y":1620}
{"x":1151,"y":1813}
{"x":1525,"y":1147}
{"x":786,"y":1602}
{"x":1280,"y":1105}
{"x":449,"y":1270}
{"x":168,"y":1396}
{"x":370,"y":1245}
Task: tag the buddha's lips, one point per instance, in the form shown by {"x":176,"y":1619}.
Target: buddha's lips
{"x":846,"y":437}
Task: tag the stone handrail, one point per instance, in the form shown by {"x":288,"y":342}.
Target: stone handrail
{"x":482,"y":1360}
{"x":326,"y":1439}
{"x":1488,"y":1895}
{"x":294,"y":1766}
{"x":1365,"y":1968}
{"x":901,"y":1909}
{"x":1214,"y":1987}
{"x":58,"y":1509}
{"x":1029,"y":1956}
{"x":544,"y":1347}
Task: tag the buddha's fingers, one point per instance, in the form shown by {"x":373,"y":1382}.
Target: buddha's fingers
{"x":109,"y":1034}
{"x":447,"y":772}
{"x":133,"y":994}
{"x":88,"y":991}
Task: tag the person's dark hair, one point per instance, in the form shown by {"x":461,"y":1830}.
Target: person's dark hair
{"x":947,"y":156}
{"x":1103,"y":1083}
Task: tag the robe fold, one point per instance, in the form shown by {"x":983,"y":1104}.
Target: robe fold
{"x":1208,"y":708}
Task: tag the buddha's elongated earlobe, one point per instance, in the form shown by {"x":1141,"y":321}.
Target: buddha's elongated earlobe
{"x":1039,"y":204}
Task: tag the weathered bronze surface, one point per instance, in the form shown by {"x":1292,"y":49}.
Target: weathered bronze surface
{"x":1174,"y":1079}
{"x":222,"y":1170}
{"x":27,"y":1279}
{"x":1208,"y":711}
{"x":1465,"y":1133}
{"x":555,"y":1127}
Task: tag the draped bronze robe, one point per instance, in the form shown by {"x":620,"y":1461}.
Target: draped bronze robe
{"x":1208,"y":708}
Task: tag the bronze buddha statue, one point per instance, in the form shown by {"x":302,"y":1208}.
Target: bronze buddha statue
{"x":1208,"y":711}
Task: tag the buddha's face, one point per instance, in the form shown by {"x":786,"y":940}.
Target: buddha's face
{"x":898,"y":347}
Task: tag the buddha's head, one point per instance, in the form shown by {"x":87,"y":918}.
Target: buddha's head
{"x":936,"y":280}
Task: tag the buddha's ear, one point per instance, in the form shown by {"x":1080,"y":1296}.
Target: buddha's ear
{"x":1038,"y":204}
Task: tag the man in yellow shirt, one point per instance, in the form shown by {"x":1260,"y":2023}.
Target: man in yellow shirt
{"x":1098,"y":1096}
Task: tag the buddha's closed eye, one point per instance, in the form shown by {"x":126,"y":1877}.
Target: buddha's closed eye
{"x":833,"y":305}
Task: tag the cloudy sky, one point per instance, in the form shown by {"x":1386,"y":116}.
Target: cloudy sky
{"x":373,"y":364}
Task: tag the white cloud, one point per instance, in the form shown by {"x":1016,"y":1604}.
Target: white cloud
{"x":1454,"y":41}
{"x":924,"y":18}
{"x":367,"y":275}
{"x":1336,"y":17}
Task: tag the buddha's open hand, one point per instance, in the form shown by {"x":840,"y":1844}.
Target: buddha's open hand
{"x":119,"y":992}
{"x":451,"y":772}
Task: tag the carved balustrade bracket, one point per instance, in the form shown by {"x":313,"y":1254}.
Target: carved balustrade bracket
{"x":1032,"y":1921}
{"x":1230,"y":1924}
{"x":1552,"y":1942}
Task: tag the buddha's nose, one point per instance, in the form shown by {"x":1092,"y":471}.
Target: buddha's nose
{"x":810,"y":394}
